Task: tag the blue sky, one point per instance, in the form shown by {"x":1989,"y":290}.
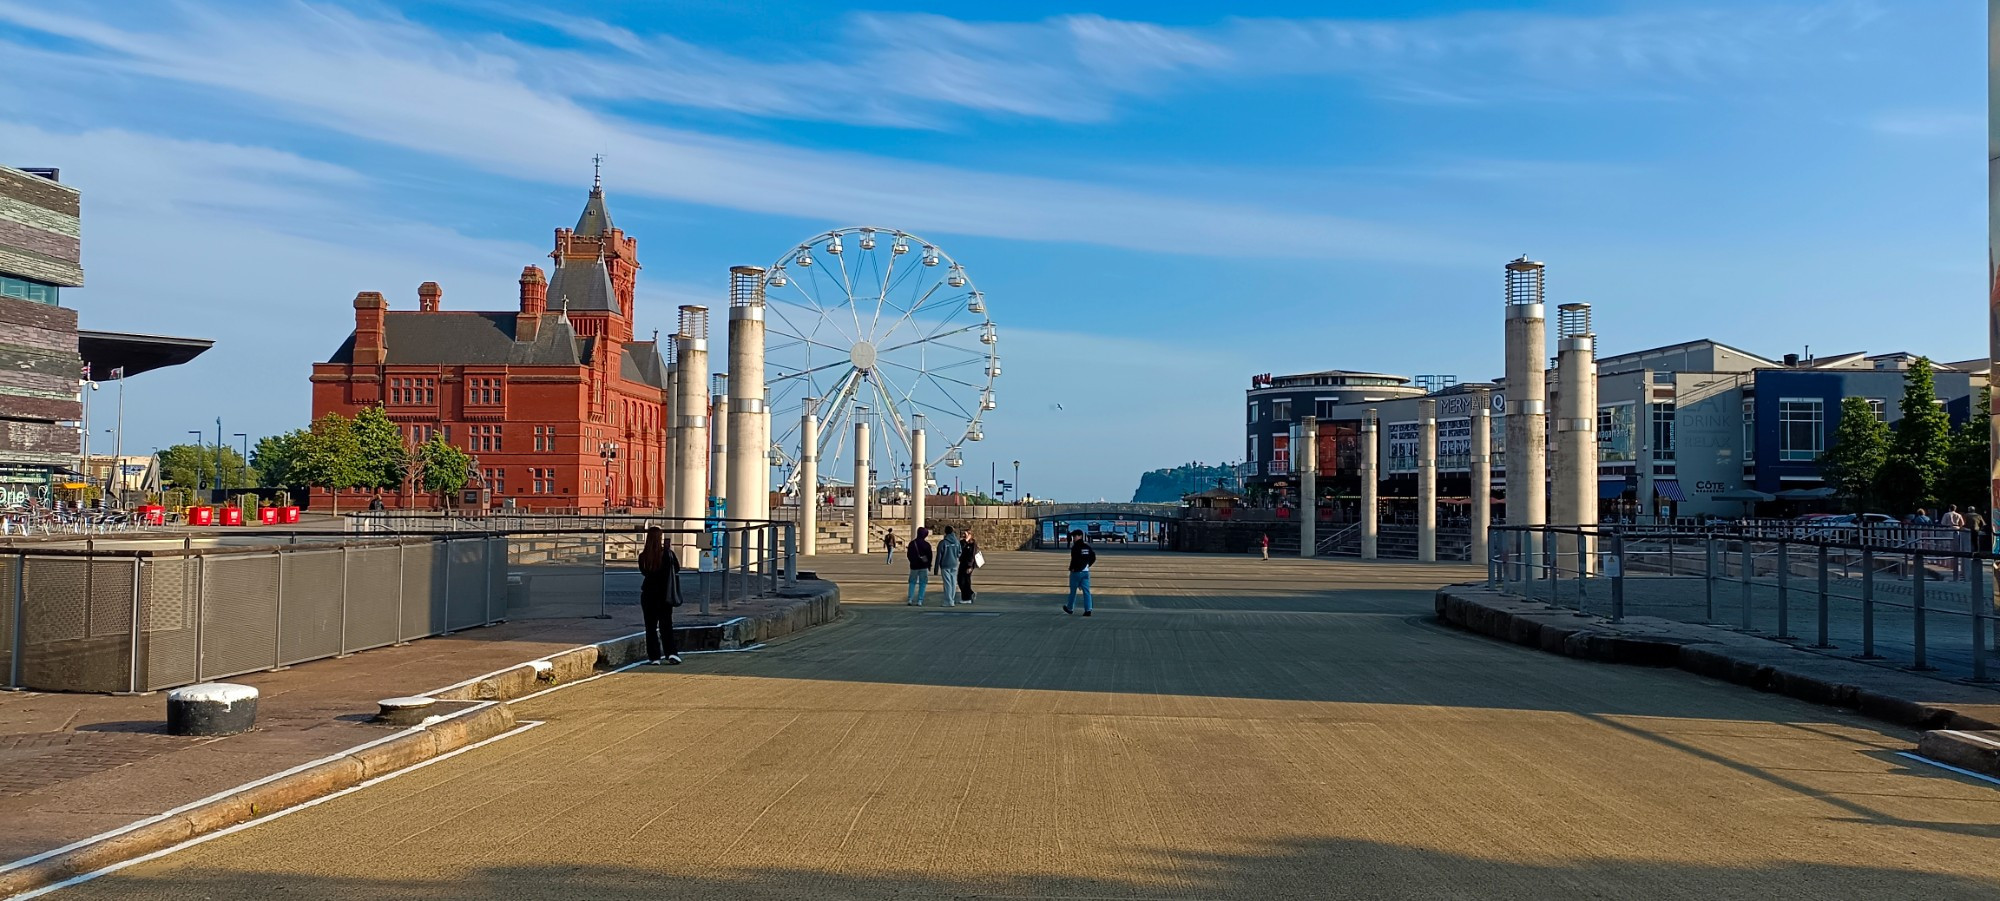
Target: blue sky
{"x":1158,"y":199}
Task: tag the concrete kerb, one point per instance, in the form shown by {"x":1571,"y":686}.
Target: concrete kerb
{"x":488,"y":716}
{"x":1884,"y":694}
{"x":290,"y":788}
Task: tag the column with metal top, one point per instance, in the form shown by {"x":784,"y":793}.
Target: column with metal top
{"x":1480,"y":461}
{"x":1306,"y":457}
{"x":691,"y":454}
{"x":917,"y":479}
{"x":861,"y":489}
{"x":1526,"y":401}
{"x":748,"y":471}
{"x":1575,"y":474}
{"x":809,"y":481}
{"x":1370,"y":489}
{"x":1427,"y":481}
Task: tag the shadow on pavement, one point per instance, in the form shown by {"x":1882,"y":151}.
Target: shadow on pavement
{"x":1305,"y":868}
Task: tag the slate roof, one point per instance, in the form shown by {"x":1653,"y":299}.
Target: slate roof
{"x":458,"y":338}
{"x":641,"y":363}
{"x":596,"y":220}
{"x":585,"y":284}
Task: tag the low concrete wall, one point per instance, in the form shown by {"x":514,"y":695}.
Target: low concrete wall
{"x":1884,"y":694}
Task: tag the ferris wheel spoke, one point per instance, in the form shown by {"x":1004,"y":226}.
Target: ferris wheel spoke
{"x":795,"y":332}
{"x":813,"y":301}
{"x":942,"y":411}
{"x":882,"y":296}
{"x":912,"y":311}
{"x":968,"y":414}
{"x":932,"y":338}
{"x":807,"y":372}
{"x":847,"y":286}
{"x":933,"y":372}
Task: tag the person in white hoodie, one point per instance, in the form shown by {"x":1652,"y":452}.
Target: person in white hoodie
{"x":947,"y":564}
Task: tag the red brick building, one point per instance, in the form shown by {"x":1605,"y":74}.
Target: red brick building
{"x":559,"y":407}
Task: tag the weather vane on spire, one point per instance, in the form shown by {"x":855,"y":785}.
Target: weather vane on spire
{"x":597,"y":172}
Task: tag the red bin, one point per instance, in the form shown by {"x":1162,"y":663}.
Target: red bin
{"x":289,"y":514}
{"x":267,"y":515}
{"x":232,"y":516}
{"x":153,"y":515}
{"x":201,"y":516}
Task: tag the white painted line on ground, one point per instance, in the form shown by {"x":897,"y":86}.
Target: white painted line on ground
{"x":37,"y":858}
{"x":199,"y":839}
{"x":1946,"y":766}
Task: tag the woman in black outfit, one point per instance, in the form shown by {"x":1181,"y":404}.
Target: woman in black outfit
{"x":965,"y":568}
{"x":659,"y":594}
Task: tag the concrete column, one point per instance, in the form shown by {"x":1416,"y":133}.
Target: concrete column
{"x":917,"y":477}
{"x":1371,"y":490}
{"x":1482,"y":470}
{"x":1647,"y":452}
{"x":691,"y":454}
{"x":1527,"y":396}
{"x":718,"y":457}
{"x":1427,"y":481}
{"x":749,"y":469}
{"x":1307,"y":457}
{"x":1576,"y":427}
{"x":861,"y":489}
{"x":809,"y":483}
{"x":670,"y":464}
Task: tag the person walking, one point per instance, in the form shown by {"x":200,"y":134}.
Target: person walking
{"x":889,"y":547}
{"x":1954,"y":519}
{"x":1267,"y":545}
{"x":1081,"y":556}
{"x":968,"y":560}
{"x":948,"y":552}
{"x":659,"y":594}
{"x":920,"y":567}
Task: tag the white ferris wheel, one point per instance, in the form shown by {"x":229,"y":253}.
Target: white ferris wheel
{"x":876,"y":325}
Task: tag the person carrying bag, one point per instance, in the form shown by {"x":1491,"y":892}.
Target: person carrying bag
{"x":659,"y":594}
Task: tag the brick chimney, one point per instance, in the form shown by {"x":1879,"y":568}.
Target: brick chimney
{"x":428,"y":295}
{"x":370,"y":312}
{"x":534,"y":301}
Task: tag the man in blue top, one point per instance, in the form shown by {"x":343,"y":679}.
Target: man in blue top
{"x":1080,"y":559}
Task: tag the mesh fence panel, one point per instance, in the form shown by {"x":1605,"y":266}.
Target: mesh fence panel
{"x":239,"y":616}
{"x":76,"y":621}
{"x":374,"y":593}
{"x":466,"y":595}
{"x":10,"y":567}
{"x":420,"y":584}
{"x":309,"y":621}
{"x":171,"y":593}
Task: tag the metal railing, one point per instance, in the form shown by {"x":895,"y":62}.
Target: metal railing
{"x":1910,"y":603}
{"x":108,"y":619}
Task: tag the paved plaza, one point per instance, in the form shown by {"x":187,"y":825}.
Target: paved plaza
{"x":1222,"y":728}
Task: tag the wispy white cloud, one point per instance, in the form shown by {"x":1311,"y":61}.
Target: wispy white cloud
{"x":1927,"y":123}
{"x":398,"y":83}
{"x":917,"y":70}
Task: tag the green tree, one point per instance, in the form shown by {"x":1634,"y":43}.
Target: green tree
{"x":1860,"y":446}
{"x":384,"y":459}
{"x":445,"y":468}
{"x":329,"y":456}
{"x":1909,"y":477}
{"x":192,"y":467}
{"x":1966,"y":480}
{"x":275,"y":458}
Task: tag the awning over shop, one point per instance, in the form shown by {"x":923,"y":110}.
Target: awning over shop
{"x":1610,"y":488}
{"x":1670,"y":489}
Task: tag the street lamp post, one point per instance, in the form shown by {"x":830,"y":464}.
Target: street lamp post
{"x":243,"y":467}
{"x":200,"y":457}
{"x":1016,"y":484}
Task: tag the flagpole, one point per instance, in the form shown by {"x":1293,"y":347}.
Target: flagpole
{"x":83,"y":391}
{"x":119,"y":437}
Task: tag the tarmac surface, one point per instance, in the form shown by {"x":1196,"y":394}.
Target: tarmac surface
{"x":1223,"y":727}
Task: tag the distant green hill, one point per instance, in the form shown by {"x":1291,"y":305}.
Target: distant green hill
{"x":1169,"y":485}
